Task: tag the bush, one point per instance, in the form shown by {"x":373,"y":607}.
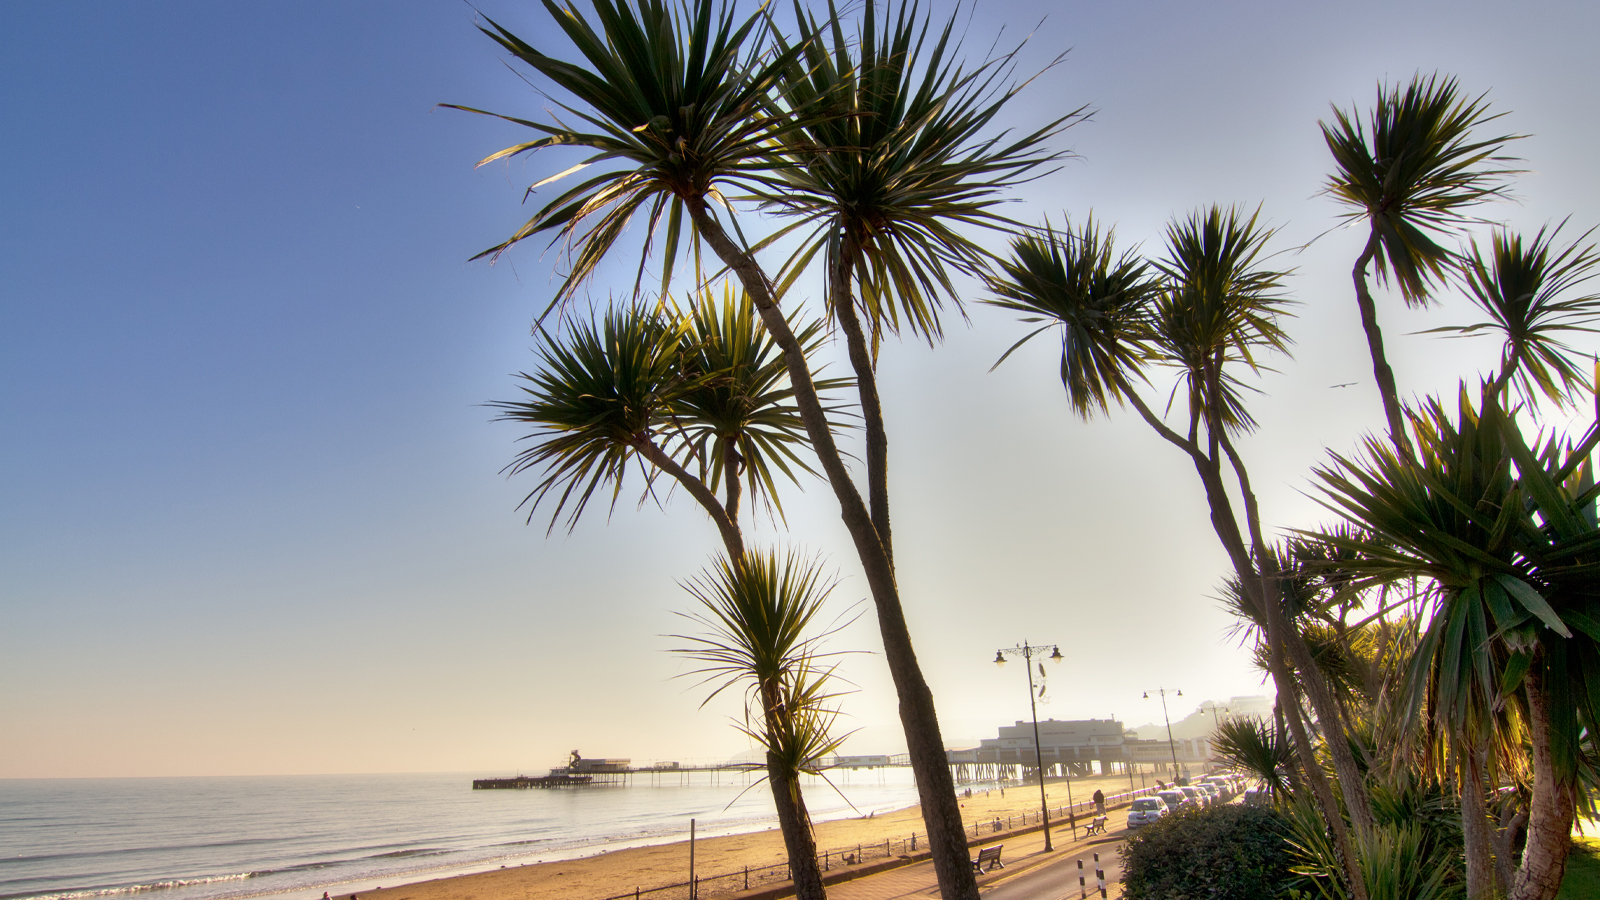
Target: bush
{"x":1228,"y":852}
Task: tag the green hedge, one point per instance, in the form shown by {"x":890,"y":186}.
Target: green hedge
{"x":1228,"y":852}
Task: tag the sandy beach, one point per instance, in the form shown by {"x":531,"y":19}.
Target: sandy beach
{"x":611,"y":874}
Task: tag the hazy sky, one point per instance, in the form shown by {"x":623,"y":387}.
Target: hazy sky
{"x":251,"y":515}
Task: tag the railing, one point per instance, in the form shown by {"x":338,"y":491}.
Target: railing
{"x":839,"y":857}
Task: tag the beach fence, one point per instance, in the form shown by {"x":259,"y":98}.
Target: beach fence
{"x":749,"y":877}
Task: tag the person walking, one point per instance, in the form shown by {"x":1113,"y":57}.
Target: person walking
{"x":1099,"y":802}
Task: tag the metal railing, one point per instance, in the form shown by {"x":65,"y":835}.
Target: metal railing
{"x":890,"y":848}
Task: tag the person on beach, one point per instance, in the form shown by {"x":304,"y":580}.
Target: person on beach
{"x":1099,"y":802}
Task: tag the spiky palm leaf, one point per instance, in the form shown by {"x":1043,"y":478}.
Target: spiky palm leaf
{"x":1520,"y":284}
{"x":755,"y":615}
{"x":1218,"y":306}
{"x":801,"y":734}
{"x":742,"y":413}
{"x":901,"y":159}
{"x":1451,"y":516}
{"x":1076,"y":281}
{"x":1252,"y":747}
{"x":1411,"y":170}
{"x":677,"y":99}
{"x":594,"y":403}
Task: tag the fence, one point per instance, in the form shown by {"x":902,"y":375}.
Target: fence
{"x":838,"y":857}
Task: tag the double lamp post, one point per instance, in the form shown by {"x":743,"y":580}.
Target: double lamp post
{"x":1027,"y":652}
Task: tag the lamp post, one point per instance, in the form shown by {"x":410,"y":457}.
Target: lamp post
{"x":1028,"y":652}
{"x":1170,"y":744}
{"x":1216,"y":721}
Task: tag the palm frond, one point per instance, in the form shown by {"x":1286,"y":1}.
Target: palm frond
{"x":1520,"y":285}
{"x":594,"y":401}
{"x":1218,"y":305}
{"x":1100,"y":299}
{"x":900,"y":159}
{"x":740,"y":410}
{"x":676,"y":100}
{"x":1411,"y":170}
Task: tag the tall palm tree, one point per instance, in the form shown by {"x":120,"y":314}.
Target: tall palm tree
{"x":1207,"y":308}
{"x":701,"y":397}
{"x":1411,"y":171}
{"x":1505,"y":538}
{"x":1502,"y":535}
{"x":686,"y":105}
{"x":756,"y":615}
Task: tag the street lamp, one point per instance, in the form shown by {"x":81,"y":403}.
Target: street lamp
{"x":1216,"y":721}
{"x":1170,"y":745}
{"x":1028,"y":652}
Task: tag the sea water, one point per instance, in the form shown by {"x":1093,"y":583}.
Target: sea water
{"x":234,"y":837}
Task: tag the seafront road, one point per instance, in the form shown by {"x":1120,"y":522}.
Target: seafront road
{"x":1029,"y":874}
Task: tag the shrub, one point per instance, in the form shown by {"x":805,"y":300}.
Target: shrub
{"x":1228,"y":852}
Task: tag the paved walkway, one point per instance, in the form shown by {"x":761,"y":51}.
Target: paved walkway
{"x":1029,"y":872}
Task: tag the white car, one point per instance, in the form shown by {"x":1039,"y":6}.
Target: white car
{"x":1175,"y":799}
{"x":1146,"y":810}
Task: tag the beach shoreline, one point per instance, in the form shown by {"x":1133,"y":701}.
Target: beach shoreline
{"x":609,"y":873}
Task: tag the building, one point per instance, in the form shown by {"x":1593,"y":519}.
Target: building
{"x":1077,"y":747}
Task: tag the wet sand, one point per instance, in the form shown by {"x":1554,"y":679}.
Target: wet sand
{"x":620,"y":872}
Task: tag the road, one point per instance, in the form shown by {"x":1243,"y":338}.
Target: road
{"x":1058,"y":879}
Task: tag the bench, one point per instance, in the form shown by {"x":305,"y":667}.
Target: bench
{"x":1097,"y":825}
{"x":988,"y":856}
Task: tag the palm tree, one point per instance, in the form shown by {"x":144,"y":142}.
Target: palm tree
{"x":1461,"y":515}
{"x":1505,"y":538}
{"x":1251,"y":746}
{"x":701,"y":397}
{"x":756,"y":615}
{"x":1209,"y":307}
{"x":1523,"y":286}
{"x":686,"y":105}
{"x":1411,"y":172}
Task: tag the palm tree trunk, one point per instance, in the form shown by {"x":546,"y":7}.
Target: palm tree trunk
{"x":1263,"y":592}
{"x":798,"y":838}
{"x":1265,"y":596}
{"x":1550,"y":813}
{"x":1380,"y":362}
{"x":1482,"y":884}
{"x":1352,"y":784}
{"x":941,"y":812}
{"x":861,"y":360}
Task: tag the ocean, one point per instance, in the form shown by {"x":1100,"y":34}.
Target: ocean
{"x":297,"y":836}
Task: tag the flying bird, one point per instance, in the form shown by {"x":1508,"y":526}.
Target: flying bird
{"x":1346,"y":384}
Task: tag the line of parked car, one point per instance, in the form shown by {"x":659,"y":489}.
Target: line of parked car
{"x":1205,"y":791}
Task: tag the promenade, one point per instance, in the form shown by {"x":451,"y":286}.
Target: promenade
{"x":1029,"y":871}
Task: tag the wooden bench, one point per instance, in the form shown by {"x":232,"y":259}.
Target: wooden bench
{"x":988,"y":856}
{"x":1097,"y":825}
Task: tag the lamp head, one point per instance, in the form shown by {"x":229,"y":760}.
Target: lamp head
{"x":999,"y":658}
{"x":1180,"y":693}
{"x":1147,"y":695}
{"x":1056,"y":654}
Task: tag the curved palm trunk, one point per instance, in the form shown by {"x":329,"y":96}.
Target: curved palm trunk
{"x":1550,"y":813}
{"x":1352,"y":783}
{"x":941,"y":812}
{"x":1381,"y":372}
{"x":1261,"y":588}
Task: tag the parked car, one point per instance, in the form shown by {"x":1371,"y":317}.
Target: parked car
{"x":1175,"y":799}
{"x":1196,"y":795}
{"x":1146,"y":810}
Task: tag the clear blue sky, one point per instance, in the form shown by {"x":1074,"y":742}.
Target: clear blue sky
{"x":251,"y":519}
